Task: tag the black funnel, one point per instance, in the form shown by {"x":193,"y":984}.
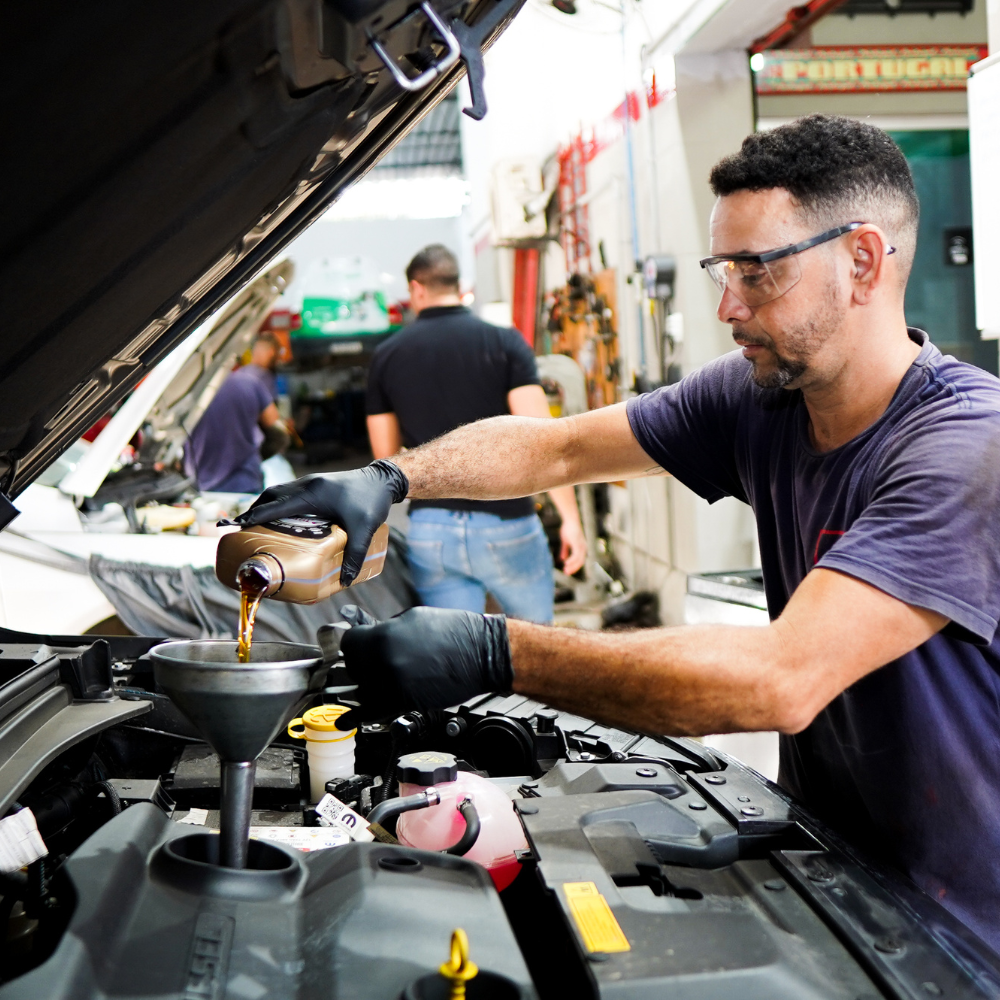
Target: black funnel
{"x":239,"y":708}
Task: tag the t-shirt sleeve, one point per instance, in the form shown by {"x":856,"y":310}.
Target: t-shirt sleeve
{"x":521,"y":366}
{"x":689,"y":428}
{"x":376,"y":398}
{"x":263,"y":397}
{"x":930,"y":535}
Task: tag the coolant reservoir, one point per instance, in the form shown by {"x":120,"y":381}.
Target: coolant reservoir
{"x":438,"y":827}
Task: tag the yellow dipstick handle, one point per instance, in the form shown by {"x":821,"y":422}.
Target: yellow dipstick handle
{"x":458,"y":970}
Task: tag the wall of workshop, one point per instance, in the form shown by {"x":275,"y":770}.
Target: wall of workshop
{"x":661,"y":531}
{"x":883,"y":29}
{"x":391,"y":243}
{"x":544,"y":78}
{"x":931,"y":128}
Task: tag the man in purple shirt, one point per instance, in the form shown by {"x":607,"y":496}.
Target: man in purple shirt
{"x":240,"y":427}
{"x":872,"y":464}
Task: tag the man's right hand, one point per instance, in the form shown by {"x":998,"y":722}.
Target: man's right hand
{"x":358,"y":501}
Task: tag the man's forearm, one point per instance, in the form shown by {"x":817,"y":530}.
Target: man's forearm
{"x":685,"y":681}
{"x":493,"y":459}
{"x":276,"y":440}
{"x":699,"y":679}
{"x":564,"y":501}
{"x":513,"y":456}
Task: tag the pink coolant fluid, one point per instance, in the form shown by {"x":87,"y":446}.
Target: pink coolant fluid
{"x":440,"y":826}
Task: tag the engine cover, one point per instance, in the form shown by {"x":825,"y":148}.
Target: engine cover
{"x":155,"y":919}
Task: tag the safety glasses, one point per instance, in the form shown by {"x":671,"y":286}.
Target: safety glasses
{"x":756,"y":278}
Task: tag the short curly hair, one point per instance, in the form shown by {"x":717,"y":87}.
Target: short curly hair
{"x":838,"y":170}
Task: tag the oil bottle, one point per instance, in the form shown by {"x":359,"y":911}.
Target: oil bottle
{"x":294,"y":559}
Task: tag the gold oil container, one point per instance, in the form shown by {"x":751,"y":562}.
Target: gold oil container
{"x":296,"y":559}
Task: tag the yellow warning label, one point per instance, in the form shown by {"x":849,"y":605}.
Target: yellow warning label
{"x":594,"y":919}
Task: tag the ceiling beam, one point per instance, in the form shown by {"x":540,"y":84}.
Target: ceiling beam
{"x":796,"y":21}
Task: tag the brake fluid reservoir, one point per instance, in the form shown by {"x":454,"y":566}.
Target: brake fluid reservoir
{"x":439,"y":827}
{"x":297,"y":559}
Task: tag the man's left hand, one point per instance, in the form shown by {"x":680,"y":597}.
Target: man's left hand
{"x":573,"y":552}
{"x":424,"y":658}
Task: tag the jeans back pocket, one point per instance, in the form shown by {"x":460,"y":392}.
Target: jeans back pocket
{"x":426,"y":559}
{"x":523,"y":559}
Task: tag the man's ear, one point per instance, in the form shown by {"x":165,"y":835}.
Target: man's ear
{"x":870,"y":252}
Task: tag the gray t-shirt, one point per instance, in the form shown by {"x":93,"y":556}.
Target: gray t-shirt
{"x":906,"y":762}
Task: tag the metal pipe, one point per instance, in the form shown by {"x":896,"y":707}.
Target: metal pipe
{"x":234,"y":816}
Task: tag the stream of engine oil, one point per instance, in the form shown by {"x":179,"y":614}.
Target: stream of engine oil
{"x":249,"y":603}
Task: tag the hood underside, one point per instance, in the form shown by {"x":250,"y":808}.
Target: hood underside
{"x":161,"y":154}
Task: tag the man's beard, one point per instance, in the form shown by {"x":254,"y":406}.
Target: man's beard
{"x":803,"y":341}
{"x":785,"y":370}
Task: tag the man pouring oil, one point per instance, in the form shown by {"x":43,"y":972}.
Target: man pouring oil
{"x":872,"y":464}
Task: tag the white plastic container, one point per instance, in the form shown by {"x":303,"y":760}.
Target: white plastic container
{"x":331,"y":750}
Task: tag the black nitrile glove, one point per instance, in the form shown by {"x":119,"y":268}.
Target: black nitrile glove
{"x":424,"y":658}
{"x":358,"y":501}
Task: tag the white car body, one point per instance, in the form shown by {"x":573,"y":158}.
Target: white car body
{"x":44,"y":552}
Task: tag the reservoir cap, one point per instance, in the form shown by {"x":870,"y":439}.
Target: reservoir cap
{"x":426,"y":768}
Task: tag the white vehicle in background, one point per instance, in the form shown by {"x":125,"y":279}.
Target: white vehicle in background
{"x":106,"y":499}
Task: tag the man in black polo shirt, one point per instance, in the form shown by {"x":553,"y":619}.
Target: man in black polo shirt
{"x":446,"y":369}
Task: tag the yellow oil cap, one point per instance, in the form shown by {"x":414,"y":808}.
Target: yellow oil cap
{"x":323,"y":718}
{"x":459,"y":968}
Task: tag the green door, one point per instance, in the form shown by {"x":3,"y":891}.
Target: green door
{"x":939,"y":297}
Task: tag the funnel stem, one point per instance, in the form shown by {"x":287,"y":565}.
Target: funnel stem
{"x":234,"y":818}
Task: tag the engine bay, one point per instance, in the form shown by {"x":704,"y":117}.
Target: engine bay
{"x":649,"y":866}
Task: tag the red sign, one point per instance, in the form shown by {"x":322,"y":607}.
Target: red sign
{"x":839,"y":69}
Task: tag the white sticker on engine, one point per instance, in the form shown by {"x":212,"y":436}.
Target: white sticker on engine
{"x":333,"y":812}
{"x":20,"y":841}
{"x":195,"y":817}
{"x":304,"y":838}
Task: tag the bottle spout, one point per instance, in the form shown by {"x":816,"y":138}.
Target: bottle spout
{"x":261,"y":575}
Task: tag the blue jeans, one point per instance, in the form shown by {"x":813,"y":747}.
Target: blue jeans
{"x":456,"y":556}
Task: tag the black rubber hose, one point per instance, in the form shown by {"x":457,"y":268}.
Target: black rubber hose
{"x":396,"y":807}
{"x":472,"y":827}
{"x":381,"y":794}
{"x":111,"y":794}
{"x":58,"y":807}
{"x":37,"y":888}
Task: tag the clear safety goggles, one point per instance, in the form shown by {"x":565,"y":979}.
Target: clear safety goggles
{"x":756,"y":278}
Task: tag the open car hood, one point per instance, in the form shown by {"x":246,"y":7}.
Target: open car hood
{"x":165,"y":154}
{"x":170,"y":401}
